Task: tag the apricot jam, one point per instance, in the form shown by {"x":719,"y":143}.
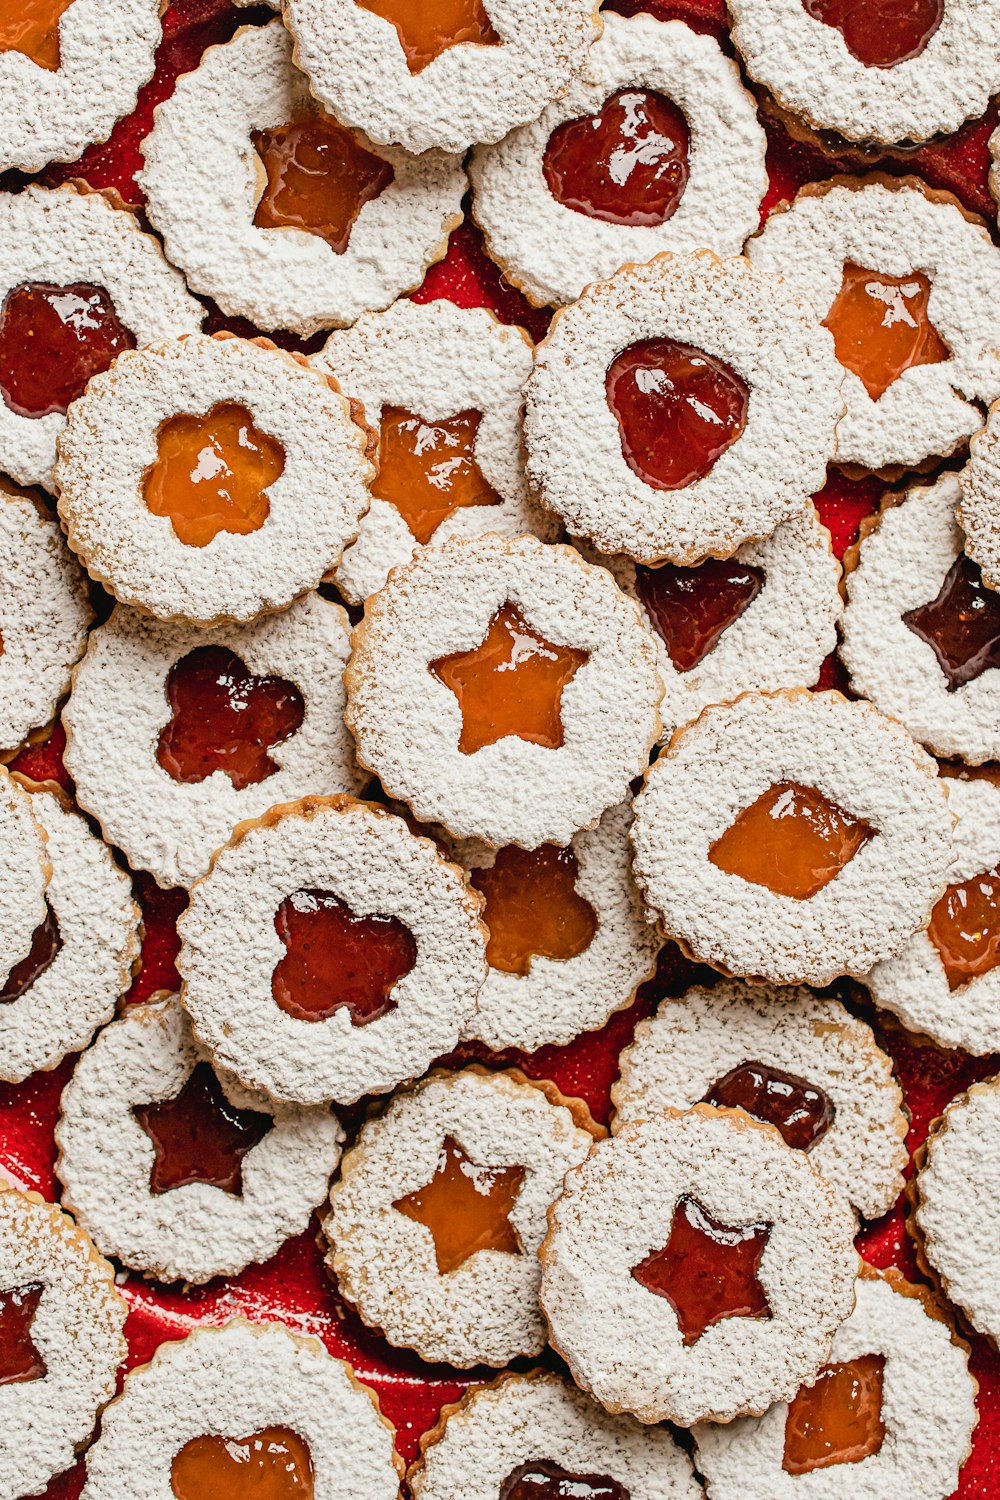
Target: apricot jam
{"x":532,"y":907}
{"x":319,"y":178}
{"x":837,"y":1419}
{"x":32,"y":28}
{"x":880,"y":33}
{"x":45,"y":944}
{"x":428,"y":470}
{"x":198,"y":1136}
{"x":541,"y":1479}
{"x":961,"y":626}
{"x":19,"y":1359}
{"x":53,"y":339}
{"x":791,"y":840}
{"x":273,"y":1464}
{"x":965,"y":928}
{"x":628,"y":164}
{"x":881,"y":327}
{"x":335,"y":959}
{"x":801,"y":1111}
{"x":426,"y":28}
{"x":691,"y":608}
{"x":466,"y":1207}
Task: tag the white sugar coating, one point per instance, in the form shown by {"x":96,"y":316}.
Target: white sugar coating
{"x":371,"y":862}
{"x":617,"y":1209}
{"x":552,"y":252}
{"x":407,"y":723}
{"x":436,"y":360}
{"x":896,"y":229}
{"x":203,"y":180}
{"x":928,"y":1408}
{"x":233,"y":1382}
{"x":521,"y":1419}
{"x":979,"y":511}
{"x":864,"y":763}
{"x":119,"y":708}
{"x":747,"y":318}
{"x":77,"y":1330}
{"x":194,"y":1232}
{"x":358,"y":69}
{"x":65,"y":235}
{"x":486,"y":1310}
{"x":693,"y":1042}
{"x":25,"y":872}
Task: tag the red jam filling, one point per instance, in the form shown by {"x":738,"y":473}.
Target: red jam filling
{"x":965,"y":928}
{"x":837,"y":1419}
{"x":792,"y":840}
{"x":53,"y":339}
{"x":273,"y":1464}
{"x":336,"y":959}
{"x":881,"y":326}
{"x":961,"y":626}
{"x":541,"y":1479}
{"x":880,"y":33}
{"x":533,"y":909}
{"x":801,"y":1111}
{"x":19,"y":1359}
{"x":198,"y":1136}
{"x":426,"y":28}
{"x":690,"y":608}
{"x":32,"y":27}
{"x":428,"y":470}
{"x":628,"y":164}
{"x":45,"y":944}
{"x":466,"y":1207}
{"x":319,"y":178}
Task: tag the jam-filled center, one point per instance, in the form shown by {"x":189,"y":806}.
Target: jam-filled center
{"x":791,"y":840}
{"x":881,"y":326}
{"x":46,"y":942}
{"x":691,"y":608}
{"x":627,"y":164}
{"x":198,"y":1136}
{"x":19,"y":1358}
{"x":533,"y":909}
{"x":428,"y":470}
{"x":466,"y":1207}
{"x":53,"y":339}
{"x":801,"y":1111}
{"x":426,"y":28}
{"x":543,"y":1479}
{"x":32,"y":27}
{"x":272,"y":1464}
{"x":965,"y":928}
{"x":319,"y":178}
{"x":961,"y":626}
{"x":880,"y":33}
{"x":335,"y":959}
{"x":837,"y":1419}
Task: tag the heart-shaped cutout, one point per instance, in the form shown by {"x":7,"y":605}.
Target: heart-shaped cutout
{"x":880,"y":33}
{"x":272,"y":1464}
{"x":627,"y":164}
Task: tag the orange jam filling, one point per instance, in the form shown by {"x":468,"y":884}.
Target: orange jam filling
{"x":19,"y":1359}
{"x":792,"y":840}
{"x":319,"y":178}
{"x":627,"y":164}
{"x":198,"y":1136}
{"x":428,"y":470}
{"x":880,"y":33}
{"x":532,"y":907}
{"x":45,"y":944}
{"x":965,"y":928}
{"x":32,"y":27}
{"x":426,"y":28}
{"x":510,"y":684}
{"x":541,"y":1479}
{"x":273,"y":1464}
{"x":691,"y":608}
{"x":212,"y":474}
{"x":335,"y":959}
{"x":53,"y":339}
{"x":837,"y":1419}
{"x":881,"y":327}
{"x":802,"y":1112}
{"x":466,"y":1207}
{"x":961,"y":626}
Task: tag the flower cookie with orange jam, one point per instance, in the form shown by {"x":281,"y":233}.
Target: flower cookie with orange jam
{"x":278,"y":212}
{"x":979,"y":511}
{"x":656,"y":146}
{"x":440,"y":1207}
{"x":212,"y":479}
{"x":25,"y":873}
{"x":362,"y":957}
{"x":699,"y":397}
{"x":245,"y":1409}
{"x":175,"y":734}
{"x":792,"y":837}
{"x":909,"y":287}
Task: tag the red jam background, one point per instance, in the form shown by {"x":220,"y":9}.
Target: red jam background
{"x":293,"y":1287}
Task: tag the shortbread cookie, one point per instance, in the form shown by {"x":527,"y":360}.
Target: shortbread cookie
{"x":412,"y":77}
{"x":712,"y":1260}
{"x":656,"y":146}
{"x":909,"y":287}
{"x":791,"y":1058}
{"x":792,"y":837}
{"x":440,"y":1208}
{"x":79,"y":282}
{"x":211,"y":479}
{"x":63,"y":1340}
{"x":699,"y":397}
{"x":979,"y":511}
{"x":505,"y":689}
{"x":274,"y":209}
{"x":25,"y":872}
{"x":244,"y":1407}
{"x":538,"y":1431}
{"x":177,"y":734}
{"x":361,"y":956}
{"x":892,"y":1413}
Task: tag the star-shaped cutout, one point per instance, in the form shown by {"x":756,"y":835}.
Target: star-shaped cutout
{"x":426,"y":28}
{"x":466,"y":1207}
{"x":428,"y":470}
{"x":198,"y":1136}
{"x":19,"y":1359}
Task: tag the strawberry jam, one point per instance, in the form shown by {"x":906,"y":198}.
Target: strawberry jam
{"x":32,"y":28}
{"x":273,"y":1464}
{"x":628,"y":164}
{"x":961,"y":626}
{"x":880,"y":33}
{"x":802,"y":1112}
{"x":690,"y":608}
{"x":466,"y":1207}
{"x":198,"y":1136}
{"x":541,"y":1479}
{"x":319,"y":178}
{"x":792,"y":840}
{"x":428,"y":470}
{"x":19,"y":1359}
{"x":53,"y":339}
{"x":426,"y":28}
{"x":45,"y":944}
{"x":881,"y":326}
{"x":965,"y":928}
{"x":533,"y":908}
{"x":337,"y":959}
{"x":837,"y":1419}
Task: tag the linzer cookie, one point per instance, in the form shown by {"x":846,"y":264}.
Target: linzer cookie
{"x":276,"y":210}
{"x":979,"y":511}
{"x":505,"y":689}
{"x":25,"y":873}
{"x":211,"y":479}
{"x":792,"y":837}
{"x":177,"y":734}
{"x":699,"y":397}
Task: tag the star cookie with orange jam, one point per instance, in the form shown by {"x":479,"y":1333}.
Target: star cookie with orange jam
{"x":792,"y":837}
{"x":897,"y":1374}
{"x":245,"y":1409}
{"x":25,"y":873}
{"x":211,"y":480}
{"x":909,"y":286}
{"x":676,"y":388}
{"x":979,"y":511}
{"x":276,"y":210}
{"x":794,"y":1059}
{"x":176,"y":734}
{"x":362,"y":952}
{"x":440,"y":1208}
{"x":656,"y":146}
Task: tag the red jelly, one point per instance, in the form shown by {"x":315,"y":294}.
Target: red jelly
{"x":628,"y":164}
{"x":802,"y":1112}
{"x":962,"y":625}
{"x":336,"y":959}
{"x":690,"y":608}
{"x":19,"y":1359}
{"x":319,"y":178}
{"x":544,"y":1480}
{"x":53,"y":339}
{"x":533,"y":908}
{"x":837,"y":1419}
{"x":45,"y":944}
{"x":466,"y":1207}
{"x":199,"y":1136}
{"x":880,"y":33}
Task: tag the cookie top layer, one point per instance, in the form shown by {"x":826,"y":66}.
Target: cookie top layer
{"x":25,"y":873}
{"x":979,"y":511}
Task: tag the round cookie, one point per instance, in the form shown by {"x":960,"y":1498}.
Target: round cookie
{"x":979,"y":511}
{"x":24,"y":874}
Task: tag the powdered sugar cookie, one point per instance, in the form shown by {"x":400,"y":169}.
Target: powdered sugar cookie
{"x":698,"y":395}
{"x":503,"y":688}
{"x":177,"y":734}
{"x":25,"y":872}
{"x":909,"y":287}
{"x":440,"y":1207}
{"x":242,"y":1407}
{"x":792,"y":837}
{"x":655,"y":146}
{"x":274,"y":209}
{"x":979,"y":511}
{"x":794,"y":1059}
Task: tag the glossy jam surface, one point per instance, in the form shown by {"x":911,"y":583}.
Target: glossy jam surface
{"x":426,"y":28}
{"x":533,"y":909}
{"x":53,"y":339}
{"x":707,"y":1271}
{"x":319,"y":178}
{"x":273,"y":1464}
{"x":541,"y":1479}
{"x":837,"y":1419}
{"x":880,"y":33}
{"x":45,"y":944}
{"x":198,"y":1136}
{"x":802,"y":1112}
{"x":961,"y":626}
{"x":678,"y":409}
{"x":881,"y":327}
{"x":223,"y":718}
{"x":512,"y":683}
{"x":690,"y":608}
{"x":965,"y":928}
{"x":466,"y":1207}
{"x":212,"y":474}
{"x":792,"y":840}
{"x":336,"y":959}
{"x":628,"y":164}
{"x":19,"y":1359}
{"x":32,"y":27}
{"x":428,"y":470}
